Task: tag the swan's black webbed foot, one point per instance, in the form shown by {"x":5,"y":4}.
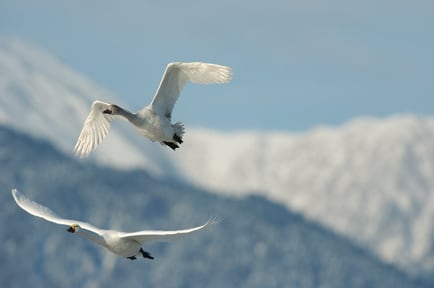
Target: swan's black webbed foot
{"x":132,"y":258}
{"x":146,"y":254}
{"x":171,"y":145}
{"x":177,"y":138}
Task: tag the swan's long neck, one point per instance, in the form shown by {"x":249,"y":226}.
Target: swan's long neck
{"x":98,"y":239}
{"x":124,"y":113}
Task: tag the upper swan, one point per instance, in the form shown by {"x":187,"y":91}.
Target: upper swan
{"x":153,"y":121}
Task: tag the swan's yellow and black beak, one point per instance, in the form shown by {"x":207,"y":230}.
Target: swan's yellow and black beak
{"x":72,"y":228}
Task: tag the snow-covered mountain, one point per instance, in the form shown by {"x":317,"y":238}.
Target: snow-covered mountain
{"x":370,"y":180}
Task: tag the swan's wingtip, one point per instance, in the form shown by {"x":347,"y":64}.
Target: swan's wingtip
{"x":79,"y":152}
{"x":16,"y":194}
{"x":14,"y":191}
{"x":214,"y":220}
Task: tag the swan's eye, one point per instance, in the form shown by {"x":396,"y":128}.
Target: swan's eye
{"x":107,"y":111}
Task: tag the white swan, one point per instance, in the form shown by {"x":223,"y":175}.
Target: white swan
{"x":153,"y":121}
{"x":120,"y":243}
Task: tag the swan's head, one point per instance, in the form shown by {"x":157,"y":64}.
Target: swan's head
{"x":73,"y":228}
{"x":114,"y":109}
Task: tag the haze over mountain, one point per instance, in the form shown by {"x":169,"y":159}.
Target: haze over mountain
{"x":370,"y":180}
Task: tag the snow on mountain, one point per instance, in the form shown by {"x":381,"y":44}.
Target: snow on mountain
{"x":371,"y":180}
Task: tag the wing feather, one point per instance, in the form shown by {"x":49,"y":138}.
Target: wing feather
{"x":95,"y":128}
{"x":46,"y":213}
{"x":175,"y":77}
{"x":165,"y":235}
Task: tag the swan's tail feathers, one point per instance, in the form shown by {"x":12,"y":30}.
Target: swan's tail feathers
{"x":179,"y":132}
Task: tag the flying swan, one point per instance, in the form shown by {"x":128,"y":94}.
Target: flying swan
{"x":120,"y":243}
{"x":153,"y":121}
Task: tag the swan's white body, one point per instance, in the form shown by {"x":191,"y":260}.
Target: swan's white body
{"x":153,"y":121}
{"x":120,"y":243}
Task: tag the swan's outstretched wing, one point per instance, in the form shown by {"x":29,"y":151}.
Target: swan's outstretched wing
{"x":147,"y":235}
{"x":176,"y":76}
{"x":95,"y":128}
{"x":43,"y":212}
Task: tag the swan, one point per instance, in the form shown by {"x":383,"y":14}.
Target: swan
{"x":153,"y":121}
{"x":123,"y":244}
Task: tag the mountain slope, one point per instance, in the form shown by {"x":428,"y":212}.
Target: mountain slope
{"x":258,"y":244}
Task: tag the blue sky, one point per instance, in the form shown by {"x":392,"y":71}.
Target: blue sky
{"x":297,"y":64}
